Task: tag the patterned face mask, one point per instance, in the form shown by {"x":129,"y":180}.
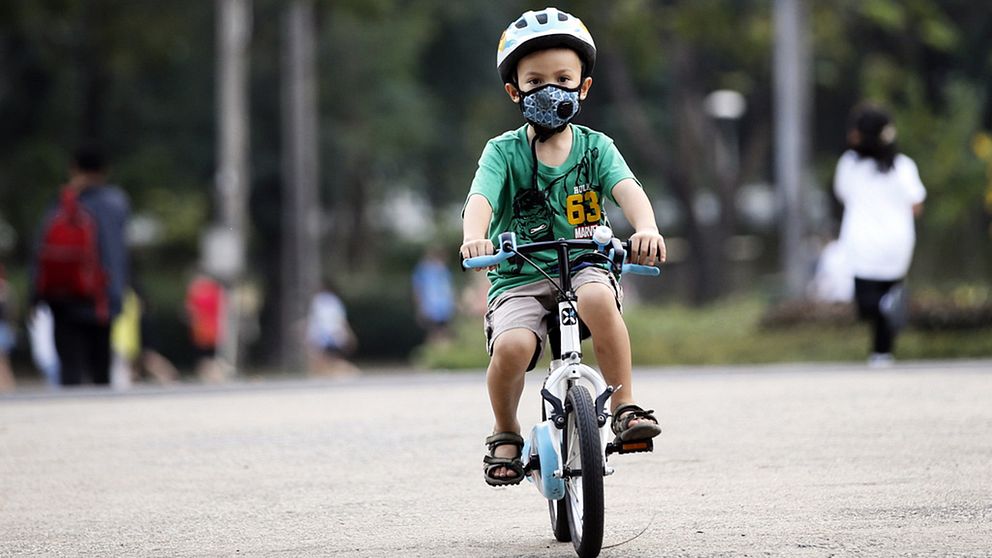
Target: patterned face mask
{"x":549,"y":108}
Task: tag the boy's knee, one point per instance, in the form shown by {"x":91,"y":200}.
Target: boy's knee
{"x":514,"y":345}
{"x":596,"y":297}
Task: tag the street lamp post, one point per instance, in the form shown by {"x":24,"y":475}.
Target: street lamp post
{"x":225,"y":243}
{"x":792,"y":94}
{"x":726,"y":107}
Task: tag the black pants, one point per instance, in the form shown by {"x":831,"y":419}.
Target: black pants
{"x":868,"y":293}
{"x":84,"y":351}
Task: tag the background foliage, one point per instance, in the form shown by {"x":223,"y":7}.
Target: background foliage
{"x":409,"y":95}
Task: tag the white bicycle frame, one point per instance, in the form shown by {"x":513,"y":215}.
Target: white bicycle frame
{"x":569,"y":370}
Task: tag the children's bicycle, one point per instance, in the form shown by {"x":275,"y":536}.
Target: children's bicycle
{"x":566,"y":454}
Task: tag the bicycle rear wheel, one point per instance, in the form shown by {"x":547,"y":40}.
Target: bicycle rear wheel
{"x":582,"y":457}
{"x":559,"y":519}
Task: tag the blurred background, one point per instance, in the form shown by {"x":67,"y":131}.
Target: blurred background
{"x":275,"y":144}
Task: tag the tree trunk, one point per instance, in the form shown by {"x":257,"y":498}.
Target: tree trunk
{"x":92,"y":80}
{"x":681,"y":172}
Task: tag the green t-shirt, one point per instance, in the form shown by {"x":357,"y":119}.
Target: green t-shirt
{"x":568,"y":202}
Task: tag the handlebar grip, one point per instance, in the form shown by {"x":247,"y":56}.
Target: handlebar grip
{"x":638,"y":269}
{"x":486,"y":261}
{"x":506,"y":247}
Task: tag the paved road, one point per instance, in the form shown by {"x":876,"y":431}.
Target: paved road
{"x":755,"y":461}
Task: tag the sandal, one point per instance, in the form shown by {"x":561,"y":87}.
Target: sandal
{"x":491,"y":462}
{"x":645,"y":429}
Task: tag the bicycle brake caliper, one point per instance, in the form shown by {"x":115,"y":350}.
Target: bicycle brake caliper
{"x":601,"y":414}
{"x":557,"y":409}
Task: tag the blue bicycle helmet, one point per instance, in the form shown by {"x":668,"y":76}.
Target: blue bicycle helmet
{"x":539,"y":30}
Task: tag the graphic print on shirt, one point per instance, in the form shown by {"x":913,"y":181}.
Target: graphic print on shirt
{"x":581,"y":201}
{"x":532,"y":217}
{"x":571,"y":196}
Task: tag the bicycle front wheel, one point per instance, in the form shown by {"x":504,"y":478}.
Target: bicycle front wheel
{"x":582,"y":454}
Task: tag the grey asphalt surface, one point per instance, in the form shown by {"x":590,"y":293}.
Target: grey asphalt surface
{"x":802,"y":460}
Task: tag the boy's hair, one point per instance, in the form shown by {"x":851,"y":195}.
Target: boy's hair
{"x":541,"y":30}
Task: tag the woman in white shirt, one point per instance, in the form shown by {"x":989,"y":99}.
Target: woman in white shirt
{"x":881,"y":191}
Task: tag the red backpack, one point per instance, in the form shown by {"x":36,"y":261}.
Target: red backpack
{"x":69,"y":266}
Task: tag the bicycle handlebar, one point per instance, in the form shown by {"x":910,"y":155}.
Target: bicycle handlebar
{"x":603,"y":243}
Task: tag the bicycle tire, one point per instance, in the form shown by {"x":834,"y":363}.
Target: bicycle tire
{"x":582,"y":450}
{"x":559,"y":520}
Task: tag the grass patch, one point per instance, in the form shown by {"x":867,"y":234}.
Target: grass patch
{"x":729,"y":332}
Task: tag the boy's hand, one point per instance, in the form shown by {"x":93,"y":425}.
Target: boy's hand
{"x":647,"y":247}
{"x":478,"y":247}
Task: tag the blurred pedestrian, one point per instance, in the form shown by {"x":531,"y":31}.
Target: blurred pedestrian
{"x":125,"y":342}
{"x":80,"y":268}
{"x":882,"y":193}
{"x":329,"y":336}
{"x":433,"y":295}
{"x":6,"y":335}
{"x":205,"y":310}
{"x":151,"y":362}
{"x":41,"y":332}
{"x":135,"y":353}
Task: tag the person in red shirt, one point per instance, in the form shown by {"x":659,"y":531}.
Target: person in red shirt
{"x":205,"y":309}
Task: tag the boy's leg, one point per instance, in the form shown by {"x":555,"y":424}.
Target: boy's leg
{"x":514,"y":325}
{"x":599,"y":300}
{"x":598,"y":310}
{"x":512,"y":353}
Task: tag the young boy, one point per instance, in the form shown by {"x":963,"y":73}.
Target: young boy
{"x":546,"y":180}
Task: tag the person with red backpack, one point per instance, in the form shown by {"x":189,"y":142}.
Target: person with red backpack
{"x":80,"y":267}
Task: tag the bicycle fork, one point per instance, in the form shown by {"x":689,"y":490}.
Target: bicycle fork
{"x":569,"y":370}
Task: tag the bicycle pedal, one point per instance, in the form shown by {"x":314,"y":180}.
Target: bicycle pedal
{"x":636,"y":446}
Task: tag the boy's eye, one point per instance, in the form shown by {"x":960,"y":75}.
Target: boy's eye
{"x":564,"y":79}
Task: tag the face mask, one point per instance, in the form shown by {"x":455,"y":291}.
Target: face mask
{"x":549,"y":108}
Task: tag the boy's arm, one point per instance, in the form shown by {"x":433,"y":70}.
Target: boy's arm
{"x":647,"y":247}
{"x":475,"y":227}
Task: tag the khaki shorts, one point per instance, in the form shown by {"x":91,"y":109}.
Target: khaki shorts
{"x":532,"y":306}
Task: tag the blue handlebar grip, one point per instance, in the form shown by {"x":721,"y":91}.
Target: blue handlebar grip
{"x":486,"y":261}
{"x":638,"y":269}
{"x":507,"y":244}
